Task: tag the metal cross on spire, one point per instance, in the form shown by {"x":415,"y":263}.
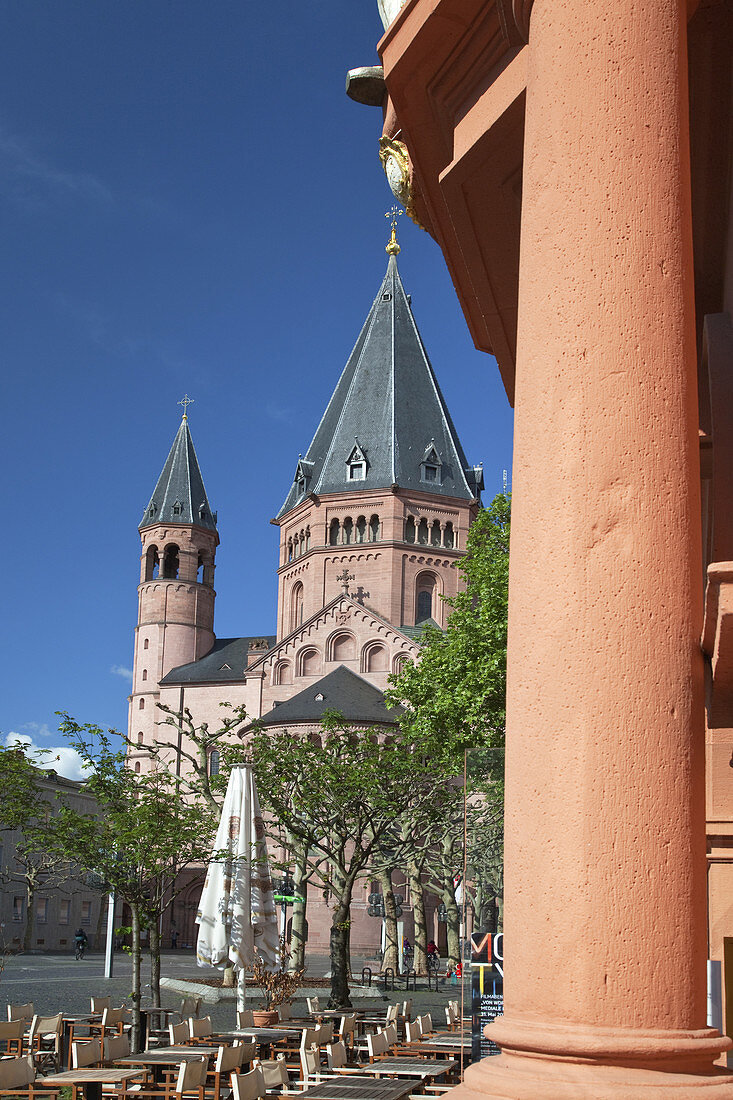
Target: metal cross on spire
{"x":344,"y":579}
{"x":186,"y":402}
{"x":393,"y":214}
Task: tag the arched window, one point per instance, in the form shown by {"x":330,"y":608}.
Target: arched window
{"x":422,"y":532}
{"x":141,"y":705}
{"x":290,"y":549}
{"x":214,"y":762}
{"x":375,"y":658}
{"x":425,"y":595}
{"x":435,"y":533}
{"x":296,"y":606}
{"x":171,"y":563}
{"x":145,"y":674}
{"x":361,"y":527}
{"x":399,"y":663}
{"x":342,"y":647}
{"x":374,"y":529}
{"x":140,"y":737}
{"x":309,"y":662}
{"x":333,"y":533}
{"x":348,"y":530}
{"x":146,"y":643}
{"x":450,"y":540}
{"x":152,"y":563}
{"x":307,"y":539}
{"x":137,"y":765}
{"x":283,"y":673}
{"x":200,"y":569}
{"x":410,"y":530}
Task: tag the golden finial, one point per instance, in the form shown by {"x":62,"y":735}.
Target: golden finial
{"x":393,"y":248}
{"x":186,"y":402}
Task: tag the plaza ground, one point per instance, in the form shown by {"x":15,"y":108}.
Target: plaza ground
{"x":56,"y":982}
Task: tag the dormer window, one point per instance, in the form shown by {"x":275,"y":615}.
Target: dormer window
{"x":177,"y":508}
{"x":431,"y":466}
{"x":357,"y":464}
{"x":303,"y":474}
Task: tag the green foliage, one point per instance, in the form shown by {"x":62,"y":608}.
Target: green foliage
{"x":20,"y":797}
{"x":455,"y":694}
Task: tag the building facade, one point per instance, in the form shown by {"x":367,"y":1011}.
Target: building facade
{"x":371,"y":528}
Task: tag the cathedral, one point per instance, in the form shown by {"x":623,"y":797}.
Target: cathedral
{"x":370,"y":531}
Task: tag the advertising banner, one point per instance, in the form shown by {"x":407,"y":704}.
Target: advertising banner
{"x":487,"y":989}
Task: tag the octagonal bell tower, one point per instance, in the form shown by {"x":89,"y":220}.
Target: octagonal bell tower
{"x":175,"y":622}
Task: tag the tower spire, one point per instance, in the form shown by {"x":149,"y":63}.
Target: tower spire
{"x":179,"y":496}
{"x":186,"y":402}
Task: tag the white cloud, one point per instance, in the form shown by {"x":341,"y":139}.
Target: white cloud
{"x":121,"y":670}
{"x":61,"y":758}
{"x":26,"y":169}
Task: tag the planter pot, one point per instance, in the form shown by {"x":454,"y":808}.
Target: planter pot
{"x":265,"y":1018}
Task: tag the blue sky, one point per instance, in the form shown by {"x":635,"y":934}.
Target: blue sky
{"x":189,"y":203}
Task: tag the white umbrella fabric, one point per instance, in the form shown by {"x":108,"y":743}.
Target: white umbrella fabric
{"x":237,"y":908}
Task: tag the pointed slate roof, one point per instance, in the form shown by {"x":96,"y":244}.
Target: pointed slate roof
{"x":180,"y":496}
{"x":387,"y":406}
{"x":352,"y":696}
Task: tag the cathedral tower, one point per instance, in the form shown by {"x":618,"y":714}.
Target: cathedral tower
{"x":175,"y":622}
{"x":384,"y":491}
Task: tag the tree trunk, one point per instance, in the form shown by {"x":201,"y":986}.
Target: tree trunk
{"x":417,"y":896}
{"x":30,"y":897}
{"x":298,"y":927}
{"x":155,"y":962}
{"x":339,"y":950}
{"x":453,"y":924}
{"x":135,"y":992}
{"x":391,"y":955}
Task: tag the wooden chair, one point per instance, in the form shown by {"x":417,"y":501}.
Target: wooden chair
{"x":179,"y":1033}
{"x":311,"y":1069}
{"x":86,"y":1053}
{"x":17,"y":1078}
{"x":114,"y":1021}
{"x":12,"y":1033}
{"x":190,"y":1006}
{"x":392,"y":1013}
{"x":115,"y":1047}
{"x":248,"y":1051}
{"x":21,"y":1012}
{"x":314,"y":1005}
{"x":377,"y":1046}
{"x":347,"y":1030}
{"x":426,"y":1023}
{"x":285,"y":1012}
{"x":98,"y":1004}
{"x":228,"y":1062}
{"x":190,"y":1081}
{"x":245,"y":1017}
{"x":275,"y":1076}
{"x":199,"y":1030}
{"x":44,"y":1041}
{"x":407,"y":1008}
{"x":338,"y":1061}
{"x":248,"y":1086}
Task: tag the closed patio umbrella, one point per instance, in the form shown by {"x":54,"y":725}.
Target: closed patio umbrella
{"x":237,"y":909}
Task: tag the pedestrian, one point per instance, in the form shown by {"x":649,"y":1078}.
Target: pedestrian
{"x":174,"y":938}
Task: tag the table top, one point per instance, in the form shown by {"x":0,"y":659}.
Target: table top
{"x":79,"y":1018}
{"x":265,"y":1034}
{"x":159,"y":1057}
{"x":411,"y":1067}
{"x":359,"y":1088}
{"x":104,"y":1075}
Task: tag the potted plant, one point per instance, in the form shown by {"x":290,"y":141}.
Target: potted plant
{"x":278,"y":986}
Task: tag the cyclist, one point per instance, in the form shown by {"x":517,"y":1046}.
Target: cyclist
{"x":432,"y":953}
{"x":80,"y":943}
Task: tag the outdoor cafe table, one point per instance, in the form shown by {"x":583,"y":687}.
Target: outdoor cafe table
{"x":69,"y":1022}
{"x":359,"y":1088}
{"x":409,"y":1067}
{"x":90,"y":1080}
{"x":154,"y":1059}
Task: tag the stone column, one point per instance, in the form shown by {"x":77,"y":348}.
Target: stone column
{"x":605,"y":857}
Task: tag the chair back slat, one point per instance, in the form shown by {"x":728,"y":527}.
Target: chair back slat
{"x":376,"y":1045}
{"x":229,"y":1059}
{"x":190,"y":1006}
{"x":86,"y":1053}
{"x":98,"y":1004}
{"x":178,"y":1033}
{"x":314,"y":1005}
{"x":199,"y":1029}
{"x":390,"y":1034}
{"x":191,"y":1076}
{"x":426,"y":1023}
{"x":407,"y":1008}
{"x":285,"y":1011}
{"x":336,"y":1055}
{"x":245,"y":1017}
{"x":274,"y":1073}
{"x":21,"y":1012}
{"x":115,"y":1046}
{"x":248,"y":1086}
{"x":46,"y":1027}
{"x":11,"y":1036}
{"x":249,"y":1051}
{"x":392,"y":1013}
{"x":413,"y":1031}
{"x":16,"y":1073}
{"x":310,"y":1063}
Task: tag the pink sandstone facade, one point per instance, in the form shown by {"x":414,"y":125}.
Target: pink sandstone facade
{"x":573,"y":162}
{"x":370,"y":532}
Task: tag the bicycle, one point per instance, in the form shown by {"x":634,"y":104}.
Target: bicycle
{"x":433,"y":963}
{"x":79,"y":949}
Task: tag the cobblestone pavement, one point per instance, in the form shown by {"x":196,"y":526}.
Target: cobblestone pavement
{"x":53,"y":982}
